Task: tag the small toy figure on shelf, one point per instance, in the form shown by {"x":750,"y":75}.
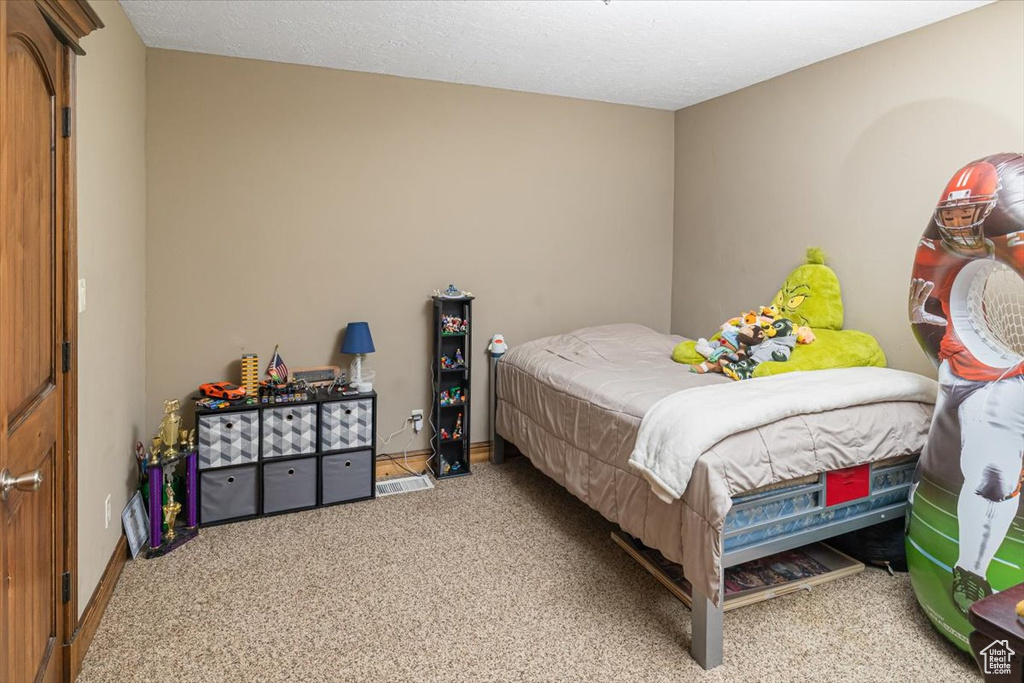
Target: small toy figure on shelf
{"x":444,"y":434}
{"x":446,"y":467}
{"x":453,"y":325}
{"x":452,"y":396}
{"x":449,"y":363}
{"x":457,"y":432}
{"x":456,"y":466}
{"x":453,"y":292}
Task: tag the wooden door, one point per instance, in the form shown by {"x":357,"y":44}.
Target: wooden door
{"x":32,"y":289}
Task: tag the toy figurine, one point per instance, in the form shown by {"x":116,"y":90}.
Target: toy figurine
{"x":445,"y":435}
{"x":459,"y":360}
{"x":456,"y":466}
{"x":452,"y":396}
{"x":457,"y":432}
{"x":497,"y":347}
{"x":453,"y":324}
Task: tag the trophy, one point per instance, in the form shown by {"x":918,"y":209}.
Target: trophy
{"x":171,"y":510}
{"x":169,"y":426}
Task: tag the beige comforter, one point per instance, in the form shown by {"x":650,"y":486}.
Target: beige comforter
{"x":573,"y":404}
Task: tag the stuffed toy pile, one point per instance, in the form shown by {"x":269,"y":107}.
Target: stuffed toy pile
{"x":778,"y":338}
{"x":747,"y":341}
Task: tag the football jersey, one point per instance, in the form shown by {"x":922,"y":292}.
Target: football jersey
{"x":939,"y":265}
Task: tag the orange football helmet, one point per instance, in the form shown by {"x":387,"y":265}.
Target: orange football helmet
{"x":966,"y":202}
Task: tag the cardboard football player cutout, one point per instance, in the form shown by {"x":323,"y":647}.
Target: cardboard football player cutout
{"x":965,"y":526}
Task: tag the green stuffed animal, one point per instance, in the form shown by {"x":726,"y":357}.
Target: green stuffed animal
{"x":810,"y":296}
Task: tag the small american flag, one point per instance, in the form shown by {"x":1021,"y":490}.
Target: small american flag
{"x":277,"y":370}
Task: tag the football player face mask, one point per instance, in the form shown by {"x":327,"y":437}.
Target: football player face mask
{"x":965,"y":204}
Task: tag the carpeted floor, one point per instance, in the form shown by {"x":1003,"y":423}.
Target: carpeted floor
{"x":501,"y":576}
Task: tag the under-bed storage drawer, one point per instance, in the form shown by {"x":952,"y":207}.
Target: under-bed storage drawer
{"x":228,"y":438}
{"x":289,"y":430}
{"x":228,"y":494}
{"x":289,"y":485}
{"x":346,"y":424}
{"x":346,"y":476}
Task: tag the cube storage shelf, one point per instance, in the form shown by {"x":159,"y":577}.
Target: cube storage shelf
{"x":450,"y":441}
{"x":272,"y":458}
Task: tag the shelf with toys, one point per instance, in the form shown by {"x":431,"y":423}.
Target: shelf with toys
{"x":451,"y":382}
{"x":293,"y":442}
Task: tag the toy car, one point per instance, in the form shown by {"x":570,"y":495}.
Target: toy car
{"x":225,"y":390}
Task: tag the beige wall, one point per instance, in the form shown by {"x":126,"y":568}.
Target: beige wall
{"x":849,"y":154}
{"x":111,"y":139}
{"x":286,"y":201}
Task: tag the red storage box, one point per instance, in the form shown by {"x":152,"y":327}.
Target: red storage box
{"x":842,"y":486}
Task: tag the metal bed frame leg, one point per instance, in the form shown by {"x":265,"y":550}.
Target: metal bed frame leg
{"x":497,"y":443}
{"x":706,"y":630}
{"x":497,"y":449}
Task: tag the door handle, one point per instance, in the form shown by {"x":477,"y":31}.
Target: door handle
{"x":30,"y":481}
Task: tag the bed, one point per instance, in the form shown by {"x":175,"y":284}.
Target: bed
{"x":574,"y":404}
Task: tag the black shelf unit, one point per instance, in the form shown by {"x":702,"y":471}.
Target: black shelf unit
{"x":451,"y":455}
{"x":238,"y":479}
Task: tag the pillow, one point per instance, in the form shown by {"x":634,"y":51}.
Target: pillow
{"x":811,"y":296}
{"x":831,"y":349}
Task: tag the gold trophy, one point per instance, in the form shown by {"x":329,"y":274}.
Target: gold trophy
{"x":169,"y":426}
{"x":171,"y":510}
{"x":192,"y":441}
{"x":154,"y":453}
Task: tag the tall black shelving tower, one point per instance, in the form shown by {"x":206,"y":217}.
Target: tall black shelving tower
{"x":452,"y":351}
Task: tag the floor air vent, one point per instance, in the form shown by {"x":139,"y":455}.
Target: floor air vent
{"x":390,"y":487}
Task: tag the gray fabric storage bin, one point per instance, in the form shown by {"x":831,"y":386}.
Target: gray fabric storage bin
{"x":227,"y":494}
{"x":289,"y":430}
{"x":228,"y":438}
{"x":289,"y":485}
{"x":347,"y":476}
{"x":346,"y":424}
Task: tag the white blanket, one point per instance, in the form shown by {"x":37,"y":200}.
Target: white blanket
{"x":679,"y":428}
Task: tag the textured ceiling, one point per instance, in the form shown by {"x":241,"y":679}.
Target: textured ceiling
{"x":666,"y":55}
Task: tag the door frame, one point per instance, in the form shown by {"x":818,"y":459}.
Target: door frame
{"x":71,"y":20}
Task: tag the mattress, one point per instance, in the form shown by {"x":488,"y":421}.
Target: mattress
{"x":573,"y":403}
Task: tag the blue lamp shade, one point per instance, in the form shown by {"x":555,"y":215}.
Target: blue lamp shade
{"x":357,"y":339}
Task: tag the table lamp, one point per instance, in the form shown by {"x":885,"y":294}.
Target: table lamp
{"x":358,"y":342}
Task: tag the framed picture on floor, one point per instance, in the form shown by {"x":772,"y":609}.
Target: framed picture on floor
{"x":136,"y":524}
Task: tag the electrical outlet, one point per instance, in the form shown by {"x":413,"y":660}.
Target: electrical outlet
{"x":81,"y":295}
{"x":106,"y":512}
{"x":417,"y":420}
{"x":418,"y":413}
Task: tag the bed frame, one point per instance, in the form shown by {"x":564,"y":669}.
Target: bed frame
{"x":801,"y":525}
